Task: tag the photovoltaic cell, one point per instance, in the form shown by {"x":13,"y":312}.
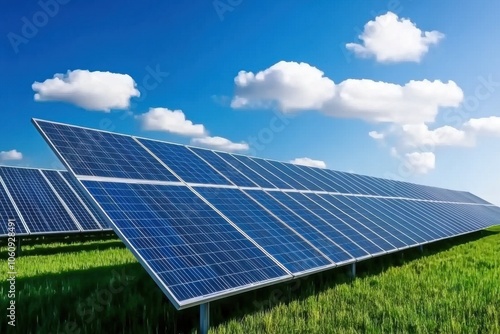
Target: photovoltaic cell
{"x":86,"y":201}
{"x":187,"y":165}
{"x":191,"y":249}
{"x":98,"y":153}
{"x":309,"y":232}
{"x":37,"y":203}
{"x":8,"y":212}
{"x":77,"y":208}
{"x":277,"y":239}
{"x":279,"y":171}
{"x":332,"y":219}
{"x":245,"y":170}
{"x":223,"y":167}
{"x":376,"y":235}
{"x":326,"y":227}
{"x":270,"y":177}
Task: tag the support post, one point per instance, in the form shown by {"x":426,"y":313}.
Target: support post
{"x":18,"y":246}
{"x":353,"y":270}
{"x":204,"y":318}
{"x":421,"y":248}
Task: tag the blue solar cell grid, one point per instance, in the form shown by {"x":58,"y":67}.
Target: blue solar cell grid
{"x":245,"y":170}
{"x":83,"y":216}
{"x":191,"y":248}
{"x":301,"y":226}
{"x":357,"y":238}
{"x":97,"y":153}
{"x":86,"y":201}
{"x":187,"y":165}
{"x":8,"y":212}
{"x":37,"y":203}
{"x":223,"y":167}
{"x":277,"y":239}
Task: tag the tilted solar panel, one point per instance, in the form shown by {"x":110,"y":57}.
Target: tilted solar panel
{"x":97,"y":214}
{"x":188,"y":248}
{"x":187,"y":165}
{"x":103,"y":154}
{"x":226,"y":223}
{"x":40,"y":207}
{"x":8,"y":213}
{"x":78,"y":209}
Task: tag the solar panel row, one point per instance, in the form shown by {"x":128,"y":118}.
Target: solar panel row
{"x":97,"y":153}
{"x":208,"y":224}
{"x":44,"y":202}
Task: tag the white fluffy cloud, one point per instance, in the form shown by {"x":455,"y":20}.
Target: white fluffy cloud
{"x":419,"y":135}
{"x":421,"y":162}
{"x":291,"y":86}
{"x":101,"y":91}
{"x":486,"y":126}
{"x":376,"y":135}
{"x":173,"y":121}
{"x":391,"y":39}
{"x":10,"y":155}
{"x":220,"y":143}
{"x":308,"y":162}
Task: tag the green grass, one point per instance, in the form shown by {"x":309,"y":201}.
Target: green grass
{"x":98,"y":287}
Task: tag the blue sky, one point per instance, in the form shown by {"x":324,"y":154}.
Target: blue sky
{"x":401,"y":89}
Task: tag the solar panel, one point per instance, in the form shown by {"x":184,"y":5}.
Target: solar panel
{"x":317,"y":238}
{"x":83,"y":216}
{"x":187,"y":165}
{"x":245,"y":170}
{"x":190,"y":250}
{"x":100,"y":153}
{"x":40,"y":207}
{"x":97,"y":214}
{"x":275,"y":237}
{"x":223,"y":167}
{"x":8,"y":213}
{"x":221,"y":223}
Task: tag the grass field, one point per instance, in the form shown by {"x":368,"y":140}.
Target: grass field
{"x":98,"y":287}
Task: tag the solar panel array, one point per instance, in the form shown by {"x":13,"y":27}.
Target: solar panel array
{"x":42,"y":201}
{"x":208,"y":224}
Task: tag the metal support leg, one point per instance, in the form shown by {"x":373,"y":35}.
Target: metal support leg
{"x":204,"y":318}
{"x":18,"y":246}
{"x":421,"y":247}
{"x":353,"y":270}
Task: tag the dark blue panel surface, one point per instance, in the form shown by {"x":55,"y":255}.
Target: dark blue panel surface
{"x":97,"y":153}
{"x":301,"y":226}
{"x":187,"y":165}
{"x":8,"y":212}
{"x":281,"y":172}
{"x":190,"y":247}
{"x":277,"y":239}
{"x":359,"y":205}
{"x":279,"y":183}
{"x":223,"y":167}
{"x":315,"y":175}
{"x":86,"y":201}
{"x":378,"y":207}
{"x":328,"y":228}
{"x":77,"y":208}
{"x":245,"y":170}
{"x":338,"y":223}
{"x":310,"y":182}
{"x":41,"y":209}
{"x":371,"y":231}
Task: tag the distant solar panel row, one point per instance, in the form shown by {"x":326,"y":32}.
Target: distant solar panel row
{"x":42,"y":202}
{"x":208,"y":224}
